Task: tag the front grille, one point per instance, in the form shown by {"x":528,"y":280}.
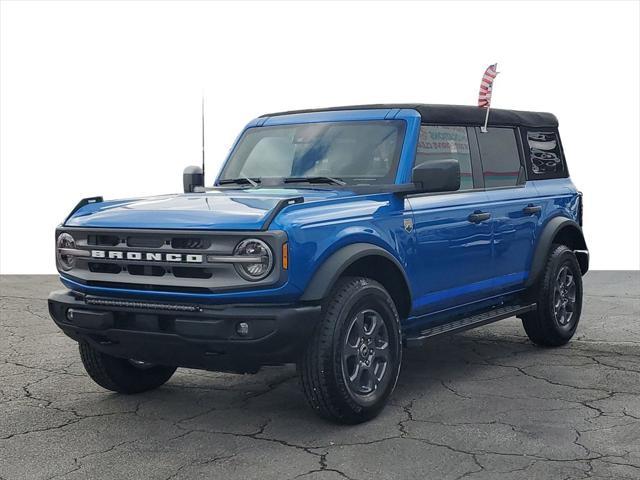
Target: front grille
{"x":104,"y":267}
{"x":190,"y":243}
{"x":165,"y":260}
{"x":103,"y":240}
{"x":189,"y":272}
{"x":150,"y":270}
{"x":145,"y":242}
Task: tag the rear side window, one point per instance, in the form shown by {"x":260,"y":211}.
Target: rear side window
{"x":438,"y":142}
{"x":544,"y":154}
{"x":500,"y":157}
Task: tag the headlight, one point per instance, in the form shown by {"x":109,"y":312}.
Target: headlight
{"x":66,"y":260}
{"x":252,"y":247}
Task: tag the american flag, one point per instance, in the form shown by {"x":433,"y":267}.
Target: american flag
{"x":486,"y":86}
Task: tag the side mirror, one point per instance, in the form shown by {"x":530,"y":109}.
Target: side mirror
{"x":437,"y":176}
{"x":192,"y":177}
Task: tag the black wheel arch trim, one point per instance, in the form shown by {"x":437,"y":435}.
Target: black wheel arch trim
{"x":550,"y":231}
{"x":333,"y":267}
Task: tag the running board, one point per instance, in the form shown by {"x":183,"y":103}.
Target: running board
{"x":470,"y":322}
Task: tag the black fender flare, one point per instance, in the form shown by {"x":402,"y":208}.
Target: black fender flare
{"x":326,"y":275}
{"x":550,"y":231}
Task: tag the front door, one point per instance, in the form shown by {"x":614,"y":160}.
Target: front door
{"x":451,"y":263}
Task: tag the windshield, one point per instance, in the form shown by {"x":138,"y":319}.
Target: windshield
{"x":354,"y":153}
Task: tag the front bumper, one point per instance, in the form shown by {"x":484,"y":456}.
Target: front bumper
{"x":186,"y":335}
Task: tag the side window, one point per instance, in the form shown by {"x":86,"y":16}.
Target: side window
{"x":544,"y":154}
{"x":440,"y":142}
{"x":500,"y":157}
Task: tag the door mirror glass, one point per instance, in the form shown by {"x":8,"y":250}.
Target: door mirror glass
{"x":437,"y":176}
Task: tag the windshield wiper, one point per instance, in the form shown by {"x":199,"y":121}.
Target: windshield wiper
{"x":241,"y":181}
{"x":329,"y":180}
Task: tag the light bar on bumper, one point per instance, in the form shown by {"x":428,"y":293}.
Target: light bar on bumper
{"x":107,"y":302}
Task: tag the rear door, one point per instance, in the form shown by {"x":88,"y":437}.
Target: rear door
{"x":451,"y":263}
{"x":514,"y":205}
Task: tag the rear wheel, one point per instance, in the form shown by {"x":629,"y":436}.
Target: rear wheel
{"x":352,"y":363}
{"x":559,"y":298}
{"x":122,"y":375}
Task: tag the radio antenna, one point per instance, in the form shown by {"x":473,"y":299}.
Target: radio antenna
{"x":203,"y":137}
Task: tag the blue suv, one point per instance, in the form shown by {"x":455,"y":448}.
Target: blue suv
{"x":331,"y":239}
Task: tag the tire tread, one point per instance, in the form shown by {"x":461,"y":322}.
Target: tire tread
{"x":538,"y":325}
{"x":326,"y":398}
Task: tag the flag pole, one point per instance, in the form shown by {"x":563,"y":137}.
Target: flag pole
{"x":483,"y":129}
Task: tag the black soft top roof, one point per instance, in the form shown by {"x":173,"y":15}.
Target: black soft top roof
{"x":453,"y":114}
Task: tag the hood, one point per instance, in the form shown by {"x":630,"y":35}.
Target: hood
{"x":216,"y":210}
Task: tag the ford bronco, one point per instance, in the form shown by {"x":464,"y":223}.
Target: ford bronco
{"x":331,"y":239}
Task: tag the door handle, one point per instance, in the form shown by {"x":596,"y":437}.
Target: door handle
{"x":478,"y":216}
{"x":532,"y":209}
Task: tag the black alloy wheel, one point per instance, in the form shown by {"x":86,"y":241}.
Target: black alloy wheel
{"x":366,"y":353}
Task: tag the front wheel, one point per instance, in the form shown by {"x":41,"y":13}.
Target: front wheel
{"x":122,"y":375}
{"x":351,"y":365}
{"x":559,"y":298}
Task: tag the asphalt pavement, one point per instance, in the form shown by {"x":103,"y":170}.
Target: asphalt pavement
{"x":485,"y":404}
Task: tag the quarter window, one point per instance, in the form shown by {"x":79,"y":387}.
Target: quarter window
{"x":438,"y":142}
{"x":545,"y":158}
{"x":500,"y":157}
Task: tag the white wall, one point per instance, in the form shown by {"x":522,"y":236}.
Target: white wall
{"x":104,"y":98}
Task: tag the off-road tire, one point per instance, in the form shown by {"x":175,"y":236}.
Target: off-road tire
{"x":543,"y":326}
{"x":325,"y":380}
{"x":121,"y":375}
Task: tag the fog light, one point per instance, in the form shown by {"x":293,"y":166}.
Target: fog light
{"x":69,"y":314}
{"x":242,"y":329}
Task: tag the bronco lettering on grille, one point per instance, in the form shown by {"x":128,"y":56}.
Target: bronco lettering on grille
{"x":147,"y":256}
